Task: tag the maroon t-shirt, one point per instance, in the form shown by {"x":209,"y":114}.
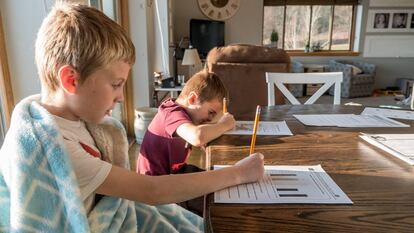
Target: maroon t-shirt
{"x":162,"y":151}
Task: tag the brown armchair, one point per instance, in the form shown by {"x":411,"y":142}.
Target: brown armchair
{"x":242,"y":69}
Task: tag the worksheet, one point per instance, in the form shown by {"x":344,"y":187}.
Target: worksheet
{"x":286,"y":184}
{"x":399,"y":145}
{"x":264,"y":128}
{"x":392,"y":113}
{"x":348,"y":120}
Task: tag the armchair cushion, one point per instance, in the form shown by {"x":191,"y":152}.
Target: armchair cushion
{"x":355,"y":70}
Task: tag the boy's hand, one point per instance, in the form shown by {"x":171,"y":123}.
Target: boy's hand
{"x":251,"y":168}
{"x":228,"y":121}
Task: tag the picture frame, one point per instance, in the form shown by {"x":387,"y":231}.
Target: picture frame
{"x":412,"y":21}
{"x":383,"y":20}
{"x":393,"y":3}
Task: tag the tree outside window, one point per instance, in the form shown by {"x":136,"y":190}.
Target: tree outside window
{"x":326,"y":27}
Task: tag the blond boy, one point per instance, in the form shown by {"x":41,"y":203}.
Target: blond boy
{"x":83,"y":60}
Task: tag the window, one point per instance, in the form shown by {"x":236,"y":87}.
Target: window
{"x":326,"y":25}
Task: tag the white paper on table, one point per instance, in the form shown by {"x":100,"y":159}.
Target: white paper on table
{"x":323,"y":119}
{"x":392,"y":113}
{"x":348,"y":120}
{"x":286,"y":184}
{"x":264,"y":128}
{"x":398,"y":145}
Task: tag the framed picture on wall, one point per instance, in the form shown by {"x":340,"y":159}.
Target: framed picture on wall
{"x":399,"y":20}
{"x":381,"y":20}
{"x":389,"y":3}
{"x":390,"y":20}
{"x":412,"y":21}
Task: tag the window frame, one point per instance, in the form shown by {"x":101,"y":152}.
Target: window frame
{"x":349,"y":52}
{"x":6,"y":98}
{"x":127,"y":108}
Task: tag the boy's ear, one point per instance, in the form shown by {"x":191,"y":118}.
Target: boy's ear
{"x":68,"y":78}
{"x":192,"y":98}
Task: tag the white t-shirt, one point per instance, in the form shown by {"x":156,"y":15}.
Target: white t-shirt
{"x":90,"y":171}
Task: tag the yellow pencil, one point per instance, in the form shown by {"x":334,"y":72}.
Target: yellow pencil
{"x":224,"y":105}
{"x":256,"y":124}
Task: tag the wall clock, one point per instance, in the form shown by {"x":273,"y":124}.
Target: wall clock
{"x":219,"y":9}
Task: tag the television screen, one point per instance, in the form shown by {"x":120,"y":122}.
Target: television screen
{"x":205,"y":35}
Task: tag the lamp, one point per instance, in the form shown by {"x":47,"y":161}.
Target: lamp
{"x":192,"y":59}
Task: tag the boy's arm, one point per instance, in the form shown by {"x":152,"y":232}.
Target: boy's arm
{"x":156,"y":190}
{"x":199,"y":135}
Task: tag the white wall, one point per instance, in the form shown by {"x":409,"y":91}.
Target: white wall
{"x":140,"y":13}
{"x":160,"y":15}
{"x":149,"y":33}
{"x":21,"y":21}
{"x":244,"y":27}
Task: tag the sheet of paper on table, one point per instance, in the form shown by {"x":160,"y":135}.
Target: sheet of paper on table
{"x":264,"y":128}
{"x":392,"y":113}
{"x":398,"y":145}
{"x":348,"y":120}
{"x":286,"y":184}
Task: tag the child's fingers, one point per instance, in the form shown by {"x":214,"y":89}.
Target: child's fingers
{"x":260,"y":155}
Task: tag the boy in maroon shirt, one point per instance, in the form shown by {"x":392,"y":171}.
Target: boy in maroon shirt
{"x":190,"y":120}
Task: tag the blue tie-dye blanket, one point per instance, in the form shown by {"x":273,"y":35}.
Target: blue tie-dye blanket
{"x":39,"y":191}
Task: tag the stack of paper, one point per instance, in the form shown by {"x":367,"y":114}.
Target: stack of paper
{"x":264,"y":128}
{"x":286,"y":184}
{"x":348,"y":120}
{"x":399,"y":145}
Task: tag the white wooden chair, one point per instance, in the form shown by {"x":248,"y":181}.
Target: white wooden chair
{"x":326,"y":78}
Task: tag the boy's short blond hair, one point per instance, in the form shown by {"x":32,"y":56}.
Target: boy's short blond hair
{"x":206,"y":85}
{"x":82,"y":37}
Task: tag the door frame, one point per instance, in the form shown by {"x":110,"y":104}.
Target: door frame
{"x":6,"y":90}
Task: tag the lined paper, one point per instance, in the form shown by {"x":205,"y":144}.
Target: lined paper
{"x":348,"y":120}
{"x":264,"y":128}
{"x":286,"y":184}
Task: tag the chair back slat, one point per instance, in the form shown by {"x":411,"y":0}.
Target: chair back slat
{"x":326,"y":78}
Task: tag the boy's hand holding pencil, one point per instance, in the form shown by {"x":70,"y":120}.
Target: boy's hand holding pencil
{"x":227,"y":118}
{"x":228,"y":121}
{"x":251,"y":168}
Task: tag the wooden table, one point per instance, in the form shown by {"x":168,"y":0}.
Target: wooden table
{"x":380,"y":185}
